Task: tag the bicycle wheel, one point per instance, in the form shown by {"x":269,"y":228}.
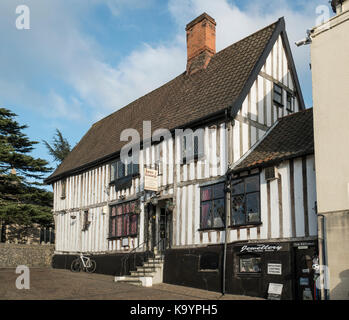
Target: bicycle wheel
{"x":92,"y":266}
{"x":76,"y":265}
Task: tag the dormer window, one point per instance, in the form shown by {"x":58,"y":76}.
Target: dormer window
{"x":278,"y":95}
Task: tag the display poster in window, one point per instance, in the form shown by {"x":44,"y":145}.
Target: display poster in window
{"x":150,"y":180}
{"x":275,"y":291}
{"x":275,"y":268}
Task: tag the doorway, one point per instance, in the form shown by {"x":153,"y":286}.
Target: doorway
{"x":304,"y":283}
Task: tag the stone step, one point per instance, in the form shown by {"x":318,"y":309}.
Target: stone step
{"x":142,"y":273}
{"x":143,"y":280}
{"x":150,"y":266}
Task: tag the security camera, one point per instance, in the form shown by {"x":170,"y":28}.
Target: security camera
{"x":304,"y":41}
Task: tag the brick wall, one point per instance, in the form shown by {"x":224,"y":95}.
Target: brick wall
{"x":13,"y":255}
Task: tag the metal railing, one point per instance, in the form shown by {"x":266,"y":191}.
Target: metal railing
{"x":144,"y":257}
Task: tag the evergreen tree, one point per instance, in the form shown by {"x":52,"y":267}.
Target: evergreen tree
{"x":21,"y":199}
{"x":60,"y":147}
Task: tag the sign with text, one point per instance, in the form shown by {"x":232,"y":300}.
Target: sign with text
{"x":275,"y":291}
{"x":150,"y":179}
{"x":275,"y":268}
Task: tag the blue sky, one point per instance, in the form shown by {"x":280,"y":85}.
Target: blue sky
{"x":83,"y":59}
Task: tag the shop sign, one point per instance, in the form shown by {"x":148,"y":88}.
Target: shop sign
{"x":275,"y":268}
{"x":150,"y":179}
{"x":261,"y":248}
{"x":275,"y":291}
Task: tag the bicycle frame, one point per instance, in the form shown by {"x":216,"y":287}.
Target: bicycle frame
{"x":86,"y":261}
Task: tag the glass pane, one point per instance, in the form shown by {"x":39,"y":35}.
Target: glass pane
{"x":126,"y":225}
{"x":129,"y":169}
{"x":206,"y":193}
{"x":121,"y":169}
{"x":133,"y":222}
{"x":113,"y":167}
{"x":119,"y":209}
{"x":119,"y":226}
{"x":252,"y":183}
{"x":238,"y":210}
{"x":132,"y":206}
{"x":278,"y":98}
{"x":218,"y":190}
{"x":206,"y":221}
{"x":113,"y":211}
{"x":126,"y":207}
{"x":135,"y":169}
{"x":250,"y":265}
{"x":252,"y":206}
{"x":113,"y":227}
{"x":218,"y":213}
{"x":237,"y":187}
{"x":277,"y":89}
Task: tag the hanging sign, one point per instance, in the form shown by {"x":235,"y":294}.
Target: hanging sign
{"x":150,"y":179}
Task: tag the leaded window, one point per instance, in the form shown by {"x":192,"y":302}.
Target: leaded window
{"x":119,"y":170}
{"x":123,"y":220}
{"x":245,"y":201}
{"x":212,"y":206}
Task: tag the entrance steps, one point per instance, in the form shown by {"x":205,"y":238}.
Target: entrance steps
{"x":151,"y":272}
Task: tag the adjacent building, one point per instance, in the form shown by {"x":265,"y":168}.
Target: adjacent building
{"x":234,"y":197}
{"x":330,"y":72}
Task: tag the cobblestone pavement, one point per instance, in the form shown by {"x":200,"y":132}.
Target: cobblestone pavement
{"x":53,"y":284}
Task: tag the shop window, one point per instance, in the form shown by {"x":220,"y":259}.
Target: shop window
{"x":209,"y":261}
{"x":277,"y":96}
{"x":245,"y":201}
{"x":124,"y":220}
{"x":250,"y":264}
{"x":212,"y":206}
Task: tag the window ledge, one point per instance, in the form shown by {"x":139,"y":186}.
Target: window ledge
{"x":246,"y":226}
{"x":211,"y":229}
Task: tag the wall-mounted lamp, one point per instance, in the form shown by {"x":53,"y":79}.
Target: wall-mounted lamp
{"x":73,"y":216}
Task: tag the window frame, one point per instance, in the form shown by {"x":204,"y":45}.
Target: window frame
{"x":64,"y":188}
{"x":291,"y":96}
{"x":212,"y":200}
{"x":197,"y":155}
{"x":249,"y":256}
{"x":247,"y":223}
{"x":280,"y":104}
{"x":121,"y":217}
{"x":114,"y":173}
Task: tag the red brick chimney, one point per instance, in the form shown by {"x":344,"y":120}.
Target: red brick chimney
{"x":201,"y":42}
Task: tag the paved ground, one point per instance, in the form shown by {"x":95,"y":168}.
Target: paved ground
{"x":59,"y":284}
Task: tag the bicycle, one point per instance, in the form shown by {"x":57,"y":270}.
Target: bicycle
{"x":83,"y":263}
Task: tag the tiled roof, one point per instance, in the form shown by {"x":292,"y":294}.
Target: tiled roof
{"x":291,"y":137}
{"x":180,"y":101}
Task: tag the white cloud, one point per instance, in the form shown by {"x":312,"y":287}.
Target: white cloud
{"x":58,"y":49}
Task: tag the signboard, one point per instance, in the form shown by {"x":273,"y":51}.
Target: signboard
{"x":260,"y":248}
{"x":275,"y":268}
{"x":275,"y":291}
{"x":150,"y":179}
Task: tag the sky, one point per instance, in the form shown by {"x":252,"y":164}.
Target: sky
{"x":84,"y":59}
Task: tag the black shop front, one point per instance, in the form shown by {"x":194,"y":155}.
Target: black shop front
{"x":256,"y":267}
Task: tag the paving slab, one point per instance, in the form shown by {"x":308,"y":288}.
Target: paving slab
{"x":57,"y":284}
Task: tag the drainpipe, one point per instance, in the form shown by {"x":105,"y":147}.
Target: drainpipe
{"x":226,"y":190}
{"x":323,"y":253}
